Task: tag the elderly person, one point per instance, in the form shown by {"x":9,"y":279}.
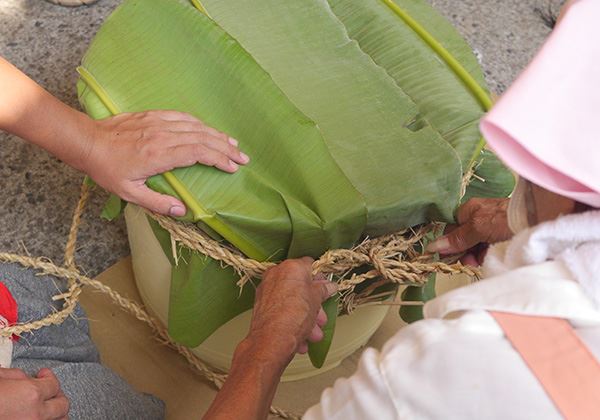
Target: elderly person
{"x":524,"y":342}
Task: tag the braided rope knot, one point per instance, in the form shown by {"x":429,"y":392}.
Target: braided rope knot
{"x":391,"y":258}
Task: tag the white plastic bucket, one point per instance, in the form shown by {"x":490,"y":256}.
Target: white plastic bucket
{"x":152,"y":272}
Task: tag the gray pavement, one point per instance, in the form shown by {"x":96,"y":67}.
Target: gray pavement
{"x":47,"y":42}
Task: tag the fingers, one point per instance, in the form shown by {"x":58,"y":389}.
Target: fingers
{"x":469,"y":259}
{"x":47,"y":384}
{"x":326,"y":289}
{"x":229,"y":150}
{"x":467,"y":211}
{"x":459,"y":240}
{"x":321,"y":318}
{"x":169,"y":115}
{"x":480,"y":220}
{"x":306,"y":263}
{"x":156,"y":202}
{"x":56,"y":404}
{"x":56,"y":408}
{"x":186,"y":129}
{"x":220,"y":145}
{"x":182,"y":140}
{"x":193,"y":126}
{"x":147,"y":117}
{"x":316,"y":334}
{"x":299,"y":269}
{"x":190,"y":154}
{"x":12,"y":374}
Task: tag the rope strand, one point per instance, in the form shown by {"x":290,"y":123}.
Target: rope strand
{"x":387,"y":257}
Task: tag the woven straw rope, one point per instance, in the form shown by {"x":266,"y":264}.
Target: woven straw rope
{"x":75,"y":281}
{"x":386,"y":256}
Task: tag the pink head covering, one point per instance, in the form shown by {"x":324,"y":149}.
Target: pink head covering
{"x":547,"y":125}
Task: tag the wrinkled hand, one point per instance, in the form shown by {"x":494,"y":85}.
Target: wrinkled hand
{"x":127,"y":149}
{"x":288,"y":311}
{"x":481,"y":221}
{"x":25,"y":398}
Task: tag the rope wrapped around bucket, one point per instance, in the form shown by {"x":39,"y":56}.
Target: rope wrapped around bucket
{"x":390,"y":259}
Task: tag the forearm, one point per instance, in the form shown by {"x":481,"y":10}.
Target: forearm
{"x":33,"y":114}
{"x":251,"y":384}
{"x":287,"y":314}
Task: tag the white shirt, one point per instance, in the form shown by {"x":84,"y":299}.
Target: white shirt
{"x":457,"y":364}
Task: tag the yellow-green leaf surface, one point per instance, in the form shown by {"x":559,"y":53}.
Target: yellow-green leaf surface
{"x":318,"y":351}
{"x":365,"y":117}
{"x":204,"y":294}
{"x":348,"y":134}
{"x":454,"y":111}
{"x":492,"y":178}
{"x":164,"y":54}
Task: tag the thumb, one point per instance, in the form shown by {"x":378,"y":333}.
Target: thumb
{"x":47,"y":373}
{"x":48,"y":384}
{"x":459,"y":240}
{"x":326,"y":289}
{"x":156,"y":202}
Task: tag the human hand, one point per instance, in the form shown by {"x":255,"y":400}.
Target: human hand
{"x":288,"y":311}
{"x":120,"y":153}
{"x":25,"y":398}
{"x":481,"y":221}
{"x":127,"y":149}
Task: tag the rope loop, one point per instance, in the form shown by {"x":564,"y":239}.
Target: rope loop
{"x":395,"y":258}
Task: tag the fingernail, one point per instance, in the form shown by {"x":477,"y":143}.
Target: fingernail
{"x":244,"y":157}
{"x":332,"y":288}
{"x":233,"y":165}
{"x":177,"y":211}
{"x":440,"y":245}
{"x":233,"y":141}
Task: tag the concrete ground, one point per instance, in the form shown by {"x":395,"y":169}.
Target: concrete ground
{"x":47,"y":42}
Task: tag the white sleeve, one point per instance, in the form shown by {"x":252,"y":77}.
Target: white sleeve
{"x":361,"y":396}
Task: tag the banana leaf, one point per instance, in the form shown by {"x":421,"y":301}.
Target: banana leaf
{"x":358,"y":122}
{"x":492,"y":178}
{"x":318,"y":351}
{"x":197,"y":275}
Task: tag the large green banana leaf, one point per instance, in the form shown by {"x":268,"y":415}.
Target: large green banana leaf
{"x":356,"y":120}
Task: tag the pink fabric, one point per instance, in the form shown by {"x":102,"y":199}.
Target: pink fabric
{"x":546,"y":127}
{"x":561,"y":362}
